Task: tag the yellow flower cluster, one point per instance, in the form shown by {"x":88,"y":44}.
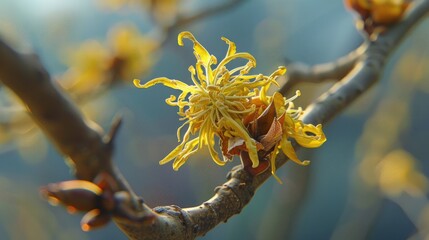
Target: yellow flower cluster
{"x":229,"y":104}
{"x":126,"y":55}
{"x":398,"y":173}
{"x":132,"y":49}
{"x":383,"y":12}
{"x":163,"y":12}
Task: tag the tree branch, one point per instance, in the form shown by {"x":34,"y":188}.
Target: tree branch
{"x":83,"y":142}
{"x":31,"y":83}
{"x":183,"y":19}
{"x":299,"y":72}
{"x":80,"y":140}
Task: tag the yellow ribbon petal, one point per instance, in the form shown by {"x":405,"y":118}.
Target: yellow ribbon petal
{"x":289,"y":151}
{"x":309,"y":136}
{"x":200,"y":51}
{"x":187,"y":151}
{"x":231,"y":47}
{"x":273,"y":163}
{"x":175,"y":84}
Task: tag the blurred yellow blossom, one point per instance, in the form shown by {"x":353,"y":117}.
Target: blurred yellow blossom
{"x":375,"y":15}
{"x":398,"y":173}
{"x":88,"y":68}
{"x":234,"y":106}
{"x":93,"y":65}
{"x":132,"y":52}
{"x":380,"y":11}
{"x":18,"y":131}
{"x":388,"y":11}
{"x":163,"y":12}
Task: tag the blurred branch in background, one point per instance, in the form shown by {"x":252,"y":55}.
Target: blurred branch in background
{"x":382,"y":171}
{"x":96,"y":67}
{"x":291,"y":200}
{"x":333,"y":71}
{"x":184,"y":19}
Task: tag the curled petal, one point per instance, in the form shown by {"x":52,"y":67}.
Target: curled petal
{"x":177,"y":150}
{"x":263,"y":93}
{"x":228,"y":59}
{"x":200,"y":52}
{"x":279,"y":72}
{"x":289,"y":124}
{"x":213,"y":152}
{"x":231,"y":47}
{"x":273,"y":163}
{"x":173,"y":154}
{"x":189,"y":148}
{"x":289,"y":151}
{"x":192,"y":70}
{"x":175,"y":84}
{"x":309,"y":136}
{"x":279,"y":103}
{"x":171,"y":100}
{"x":250,"y":142}
{"x":200,"y":73}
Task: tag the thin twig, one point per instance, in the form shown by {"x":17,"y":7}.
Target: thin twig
{"x":333,"y":71}
{"x":116,"y":125}
{"x":185,"y":19}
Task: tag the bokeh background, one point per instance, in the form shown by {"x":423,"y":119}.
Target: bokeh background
{"x":368,"y":181}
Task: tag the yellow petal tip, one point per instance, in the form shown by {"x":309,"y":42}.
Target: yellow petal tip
{"x":184,"y":34}
{"x":282,"y":70}
{"x":277,"y":178}
{"x":255,"y":164}
{"x":137,"y":83}
{"x":305,"y":163}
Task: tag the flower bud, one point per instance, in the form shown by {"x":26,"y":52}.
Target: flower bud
{"x":94,"y":219}
{"x":76,"y":195}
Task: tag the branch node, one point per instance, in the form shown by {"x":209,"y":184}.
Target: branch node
{"x":114,"y":129}
{"x":125,"y":209}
